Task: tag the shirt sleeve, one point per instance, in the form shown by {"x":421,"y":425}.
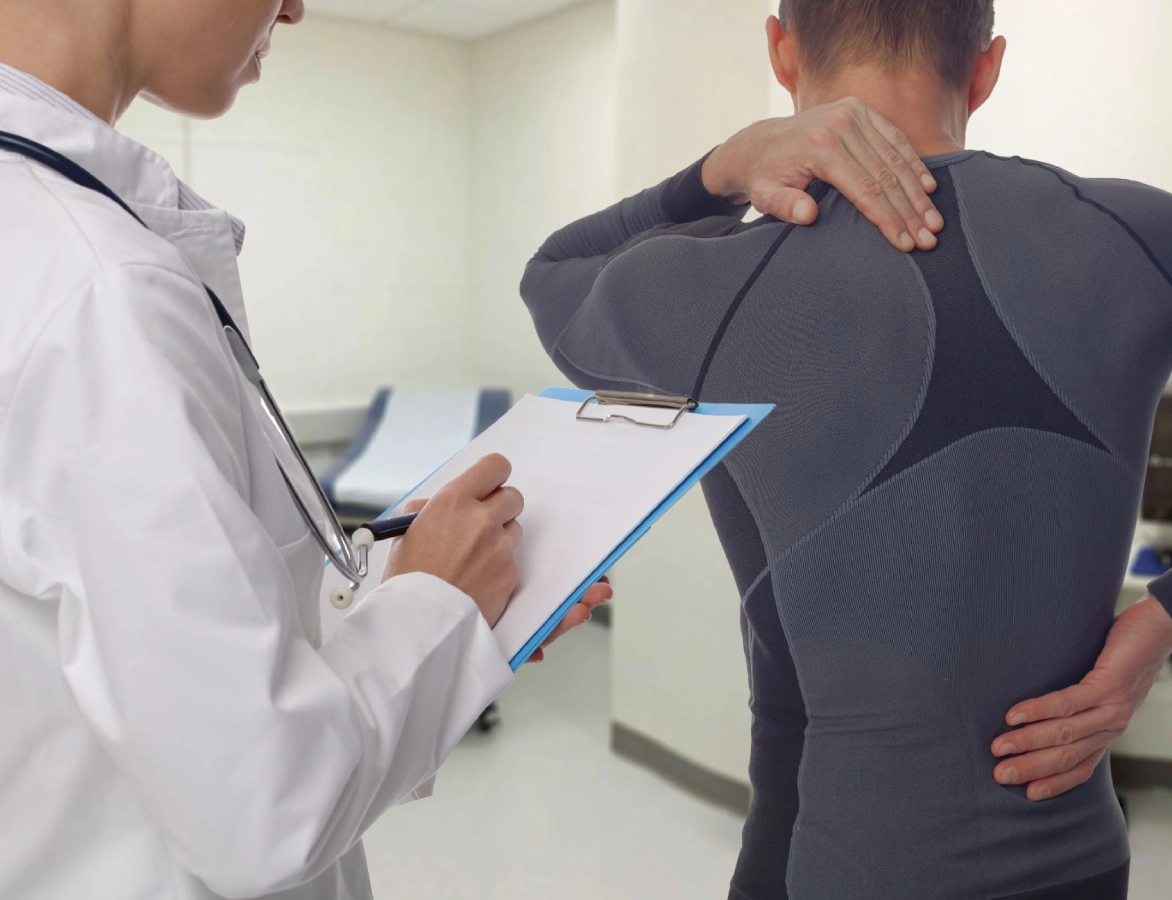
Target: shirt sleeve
{"x":1161,"y":589}
{"x":572,"y":302}
{"x":129,"y":473}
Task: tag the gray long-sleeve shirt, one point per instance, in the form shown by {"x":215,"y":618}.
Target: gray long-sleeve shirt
{"x":934,"y":524}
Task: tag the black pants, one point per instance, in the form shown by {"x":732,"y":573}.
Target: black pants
{"x":1108,"y":886}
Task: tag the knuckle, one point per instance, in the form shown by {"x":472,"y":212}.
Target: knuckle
{"x":870,"y":189}
{"x":894,"y":159}
{"x":839,"y":118}
{"x":484,"y":520}
{"x":887,"y":180}
{"x":822,"y":140}
{"x":1065,"y":734}
{"x":1067,"y":760}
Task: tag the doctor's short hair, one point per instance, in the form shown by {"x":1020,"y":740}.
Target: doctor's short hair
{"x":948,"y":34}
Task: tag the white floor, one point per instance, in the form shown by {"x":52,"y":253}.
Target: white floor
{"x":542,"y":809}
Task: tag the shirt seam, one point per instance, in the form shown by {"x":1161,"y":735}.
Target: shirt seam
{"x":1101,"y":207}
{"x":1018,"y":340}
{"x":919,"y":464}
{"x":609,"y":261}
{"x":656,"y":389}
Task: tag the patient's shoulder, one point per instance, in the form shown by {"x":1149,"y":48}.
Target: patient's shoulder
{"x":1130,"y":209}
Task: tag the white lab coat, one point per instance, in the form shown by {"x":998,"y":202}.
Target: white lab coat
{"x":171,"y":725}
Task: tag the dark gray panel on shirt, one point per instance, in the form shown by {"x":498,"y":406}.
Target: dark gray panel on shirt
{"x":986,"y":574}
{"x":1080,"y":296}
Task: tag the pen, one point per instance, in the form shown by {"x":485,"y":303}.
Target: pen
{"x":385,"y":529}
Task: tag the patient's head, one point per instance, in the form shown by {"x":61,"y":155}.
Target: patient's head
{"x":907,"y":52}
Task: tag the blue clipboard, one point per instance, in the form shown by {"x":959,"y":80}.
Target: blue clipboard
{"x":754,"y":415}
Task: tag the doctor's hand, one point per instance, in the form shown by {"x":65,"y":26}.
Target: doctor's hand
{"x":1066,"y":733}
{"x":846,"y":144}
{"x":467,"y":535}
{"x":597,"y":595}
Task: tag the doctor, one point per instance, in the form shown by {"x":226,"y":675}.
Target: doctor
{"x":171,"y":725}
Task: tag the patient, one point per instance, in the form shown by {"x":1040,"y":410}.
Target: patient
{"x":934,"y":523}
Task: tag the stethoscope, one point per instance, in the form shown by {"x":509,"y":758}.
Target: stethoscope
{"x":350,"y":556}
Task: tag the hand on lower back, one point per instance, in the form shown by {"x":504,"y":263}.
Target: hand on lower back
{"x":467,"y":535}
{"x":1065,"y":734}
{"x":846,"y":144}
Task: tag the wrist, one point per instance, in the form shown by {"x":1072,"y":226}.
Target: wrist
{"x":720,"y":172}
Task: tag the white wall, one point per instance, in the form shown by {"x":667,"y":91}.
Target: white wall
{"x":1084,"y":86}
{"x":350,"y":163}
{"x":543,"y":152}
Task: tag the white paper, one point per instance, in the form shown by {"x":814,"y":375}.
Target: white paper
{"x":587,"y":486}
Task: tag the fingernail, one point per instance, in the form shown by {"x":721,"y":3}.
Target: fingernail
{"x":804,"y":211}
{"x":906,"y":242}
{"x":1007,"y":750}
{"x":927,"y":237}
{"x":1043,"y":793}
{"x":928,"y":181}
{"x":1009,"y":776}
{"x":1018,"y":719}
{"x":934,"y":219}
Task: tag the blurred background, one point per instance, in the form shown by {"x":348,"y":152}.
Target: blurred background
{"x":397,"y":166}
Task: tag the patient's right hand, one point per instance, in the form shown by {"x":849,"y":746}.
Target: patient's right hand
{"x":467,"y":535}
{"x":847,"y":144}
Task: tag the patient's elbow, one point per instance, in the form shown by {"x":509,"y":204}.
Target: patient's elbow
{"x":536,"y":290}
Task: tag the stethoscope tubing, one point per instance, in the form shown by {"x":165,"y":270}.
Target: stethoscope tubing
{"x":351,"y":558}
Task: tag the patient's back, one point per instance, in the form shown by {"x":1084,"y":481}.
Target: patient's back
{"x":935,"y":521}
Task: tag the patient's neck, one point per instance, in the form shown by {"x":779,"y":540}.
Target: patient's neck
{"x":933,"y":117}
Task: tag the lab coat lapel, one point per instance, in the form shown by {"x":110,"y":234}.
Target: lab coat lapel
{"x":145,"y":182}
{"x":206,"y":240}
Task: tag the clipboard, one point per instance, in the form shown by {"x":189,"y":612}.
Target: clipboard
{"x":593,"y":409}
{"x":610,"y":409}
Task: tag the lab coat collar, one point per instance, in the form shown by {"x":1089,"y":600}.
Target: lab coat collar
{"x":144,"y":181}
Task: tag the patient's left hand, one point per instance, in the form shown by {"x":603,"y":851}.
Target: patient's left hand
{"x":1071,"y":729}
{"x":579,"y":615}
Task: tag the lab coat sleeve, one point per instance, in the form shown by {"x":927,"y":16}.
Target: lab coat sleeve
{"x":129,"y":482}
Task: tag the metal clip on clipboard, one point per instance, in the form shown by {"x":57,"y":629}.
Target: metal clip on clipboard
{"x":603,"y":399}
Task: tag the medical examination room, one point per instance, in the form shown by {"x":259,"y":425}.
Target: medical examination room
{"x":736,"y":472}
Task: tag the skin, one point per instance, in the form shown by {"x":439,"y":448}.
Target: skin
{"x":194,"y":57}
{"x":849,"y":128}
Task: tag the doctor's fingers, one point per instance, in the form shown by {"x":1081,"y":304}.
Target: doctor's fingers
{"x":481,"y":479}
{"x":506,"y":504}
{"x":515,"y":533}
{"x":1050,"y":762}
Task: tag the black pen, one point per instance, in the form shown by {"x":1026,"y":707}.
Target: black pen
{"x":385,"y":529}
